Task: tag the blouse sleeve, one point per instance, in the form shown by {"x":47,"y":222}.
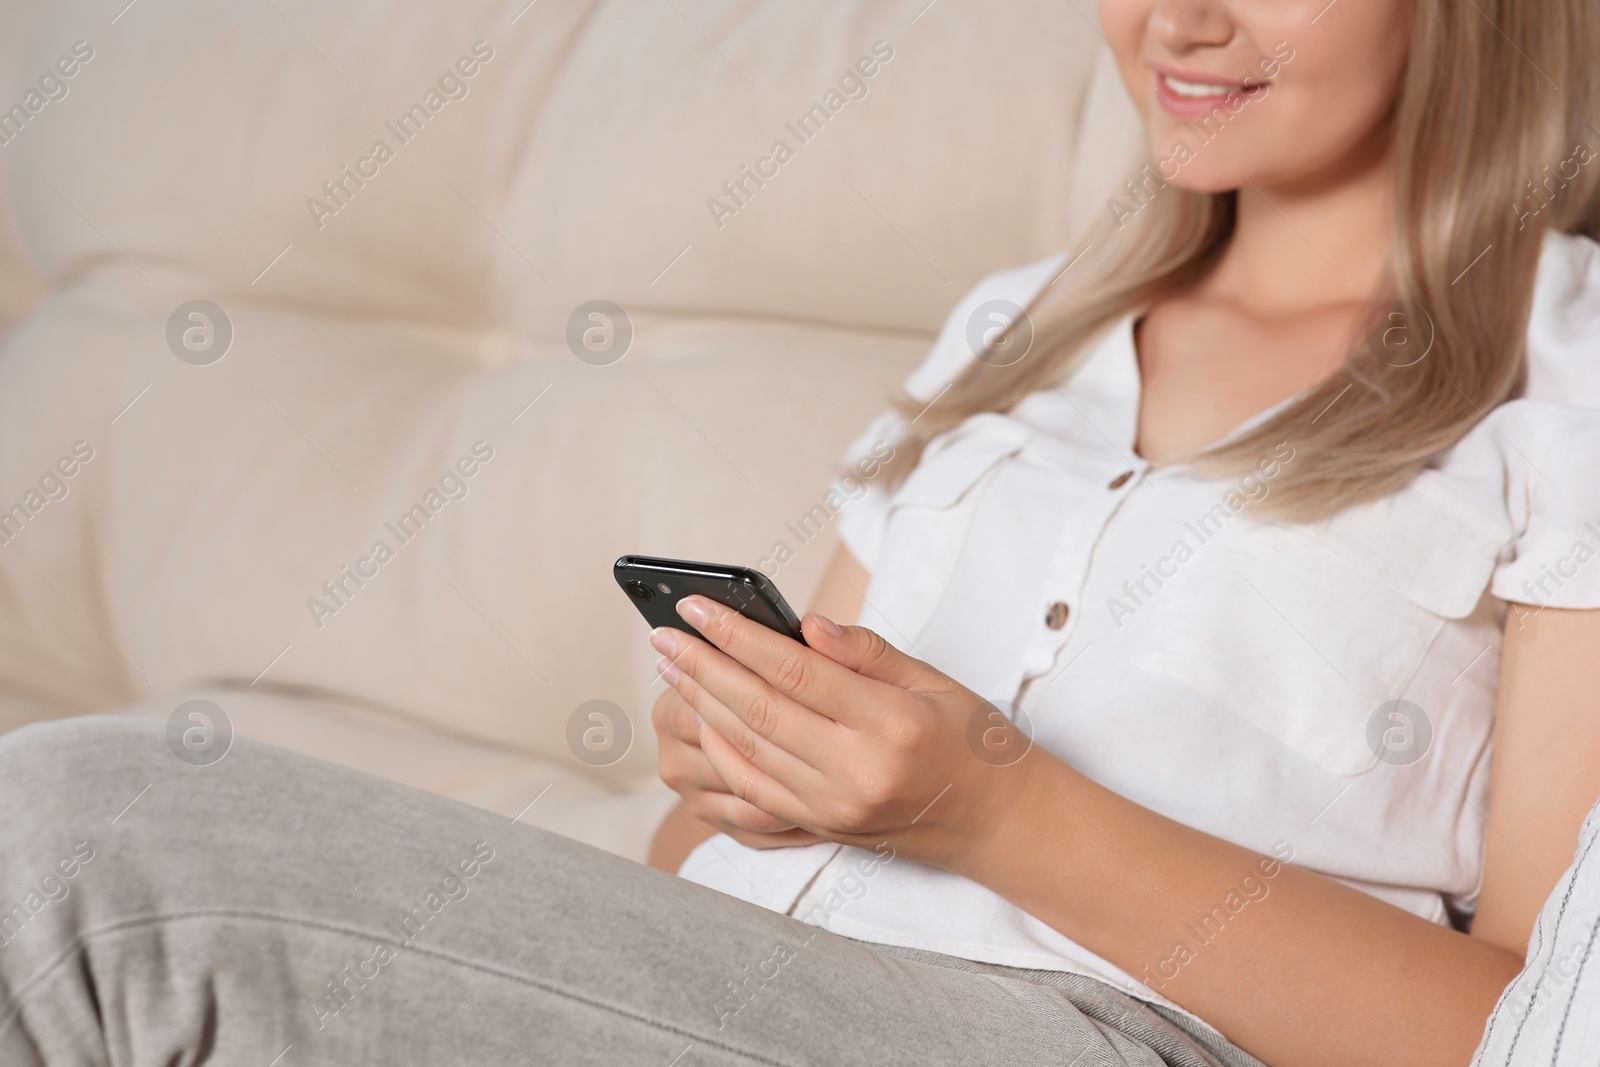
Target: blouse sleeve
{"x":1552,"y":455}
{"x":865,"y":509}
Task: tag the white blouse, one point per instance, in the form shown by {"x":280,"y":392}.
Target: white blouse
{"x":1226,"y":669}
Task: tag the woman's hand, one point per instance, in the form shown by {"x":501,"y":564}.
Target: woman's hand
{"x":706,"y":797}
{"x":848,"y":739}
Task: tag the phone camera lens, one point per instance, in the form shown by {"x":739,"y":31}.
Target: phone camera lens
{"x":639,"y":591}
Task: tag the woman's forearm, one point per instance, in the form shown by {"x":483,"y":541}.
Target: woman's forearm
{"x":677,"y":836}
{"x":1292,"y":966}
{"x":864,"y":744}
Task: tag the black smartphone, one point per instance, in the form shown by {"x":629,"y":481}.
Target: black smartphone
{"x":656,"y":585}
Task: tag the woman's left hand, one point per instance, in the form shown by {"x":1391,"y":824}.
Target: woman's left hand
{"x":848,"y":738}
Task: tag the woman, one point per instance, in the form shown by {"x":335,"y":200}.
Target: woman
{"x":1186,"y":600}
{"x":1248,"y":579}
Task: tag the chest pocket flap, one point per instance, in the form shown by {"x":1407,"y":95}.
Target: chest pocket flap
{"x":1326,"y":621}
{"x":930,"y":515}
{"x":957,"y":460}
{"x":1426,"y":543}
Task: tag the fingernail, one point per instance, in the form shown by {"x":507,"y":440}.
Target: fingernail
{"x":669,"y":671}
{"x":664,"y":639}
{"x":694,"y":612}
{"x":829,"y":627}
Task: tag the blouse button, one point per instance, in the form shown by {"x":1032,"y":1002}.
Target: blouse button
{"x":1056,"y":617}
{"x":1120,"y":480}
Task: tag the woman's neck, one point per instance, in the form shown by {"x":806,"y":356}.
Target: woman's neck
{"x":1312,"y":243}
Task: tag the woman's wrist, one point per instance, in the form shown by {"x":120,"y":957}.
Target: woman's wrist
{"x":1009,"y":823}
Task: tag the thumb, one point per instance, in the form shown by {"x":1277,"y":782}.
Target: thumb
{"x":868,"y":654}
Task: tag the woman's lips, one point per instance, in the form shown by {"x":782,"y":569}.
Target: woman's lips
{"x":1188,"y":95}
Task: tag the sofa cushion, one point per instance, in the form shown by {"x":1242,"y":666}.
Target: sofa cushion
{"x":214,"y":534}
{"x":197,"y":135}
{"x":224,"y":530}
{"x":887,"y":194}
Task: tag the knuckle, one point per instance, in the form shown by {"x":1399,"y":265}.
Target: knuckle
{"x":662,"y":727}
{"x":661,"y":709}
{"x":681,"y":721}
{"x":744,"y":787}
{"x":859,"y":812}
{"x":666,"y":732}
{"x":877,"y":793}
{"x":671,"y":769}
{"x":904,"y":733}
{"x":876,"y":645}
{"x":744,"y":742}
{"x":852,"y":815}
{"x":761,"y":715}
{"x":793,"y":672}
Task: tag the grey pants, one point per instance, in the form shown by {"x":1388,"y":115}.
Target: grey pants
{"x":272,"y":910}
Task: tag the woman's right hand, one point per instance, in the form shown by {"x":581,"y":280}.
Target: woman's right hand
{"x":708,"y":805}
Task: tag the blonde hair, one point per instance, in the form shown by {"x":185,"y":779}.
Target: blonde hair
{"x":1495,"y":93}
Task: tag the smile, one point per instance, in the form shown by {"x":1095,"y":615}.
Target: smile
{"x":1199,"y":89}
{"x":1192,"y":95}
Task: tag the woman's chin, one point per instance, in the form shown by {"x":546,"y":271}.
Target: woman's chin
{"x":1219,"y":181}
{"x":1205,"y":169}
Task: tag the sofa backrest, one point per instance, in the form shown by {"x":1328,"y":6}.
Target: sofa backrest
{"x":401,"y":205}
{"x":598,"y":148}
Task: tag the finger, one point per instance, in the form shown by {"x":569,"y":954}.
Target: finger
{"x":686,"y":770}
{"x":786,"y":839}
{"x":771,"y":731}
{"x":727,"y":812}
{"x":673,"y":717}
{"x":704,"y":795}
{"x":868,"y":654}
{"x":802,"y":674}
{"x":750,"y":783}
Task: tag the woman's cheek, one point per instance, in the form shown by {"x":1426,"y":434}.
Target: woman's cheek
{"x":1123,"y":23}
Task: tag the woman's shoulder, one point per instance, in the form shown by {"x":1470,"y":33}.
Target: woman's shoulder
{"x":1019,"y":284}
{"x":993,"y":302}
{"x":1564,"y":325}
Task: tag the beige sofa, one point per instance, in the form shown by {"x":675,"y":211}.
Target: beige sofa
{"x":391,"y":309}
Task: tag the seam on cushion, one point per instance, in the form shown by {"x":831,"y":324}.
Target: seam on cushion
{"x":81,"y":942}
